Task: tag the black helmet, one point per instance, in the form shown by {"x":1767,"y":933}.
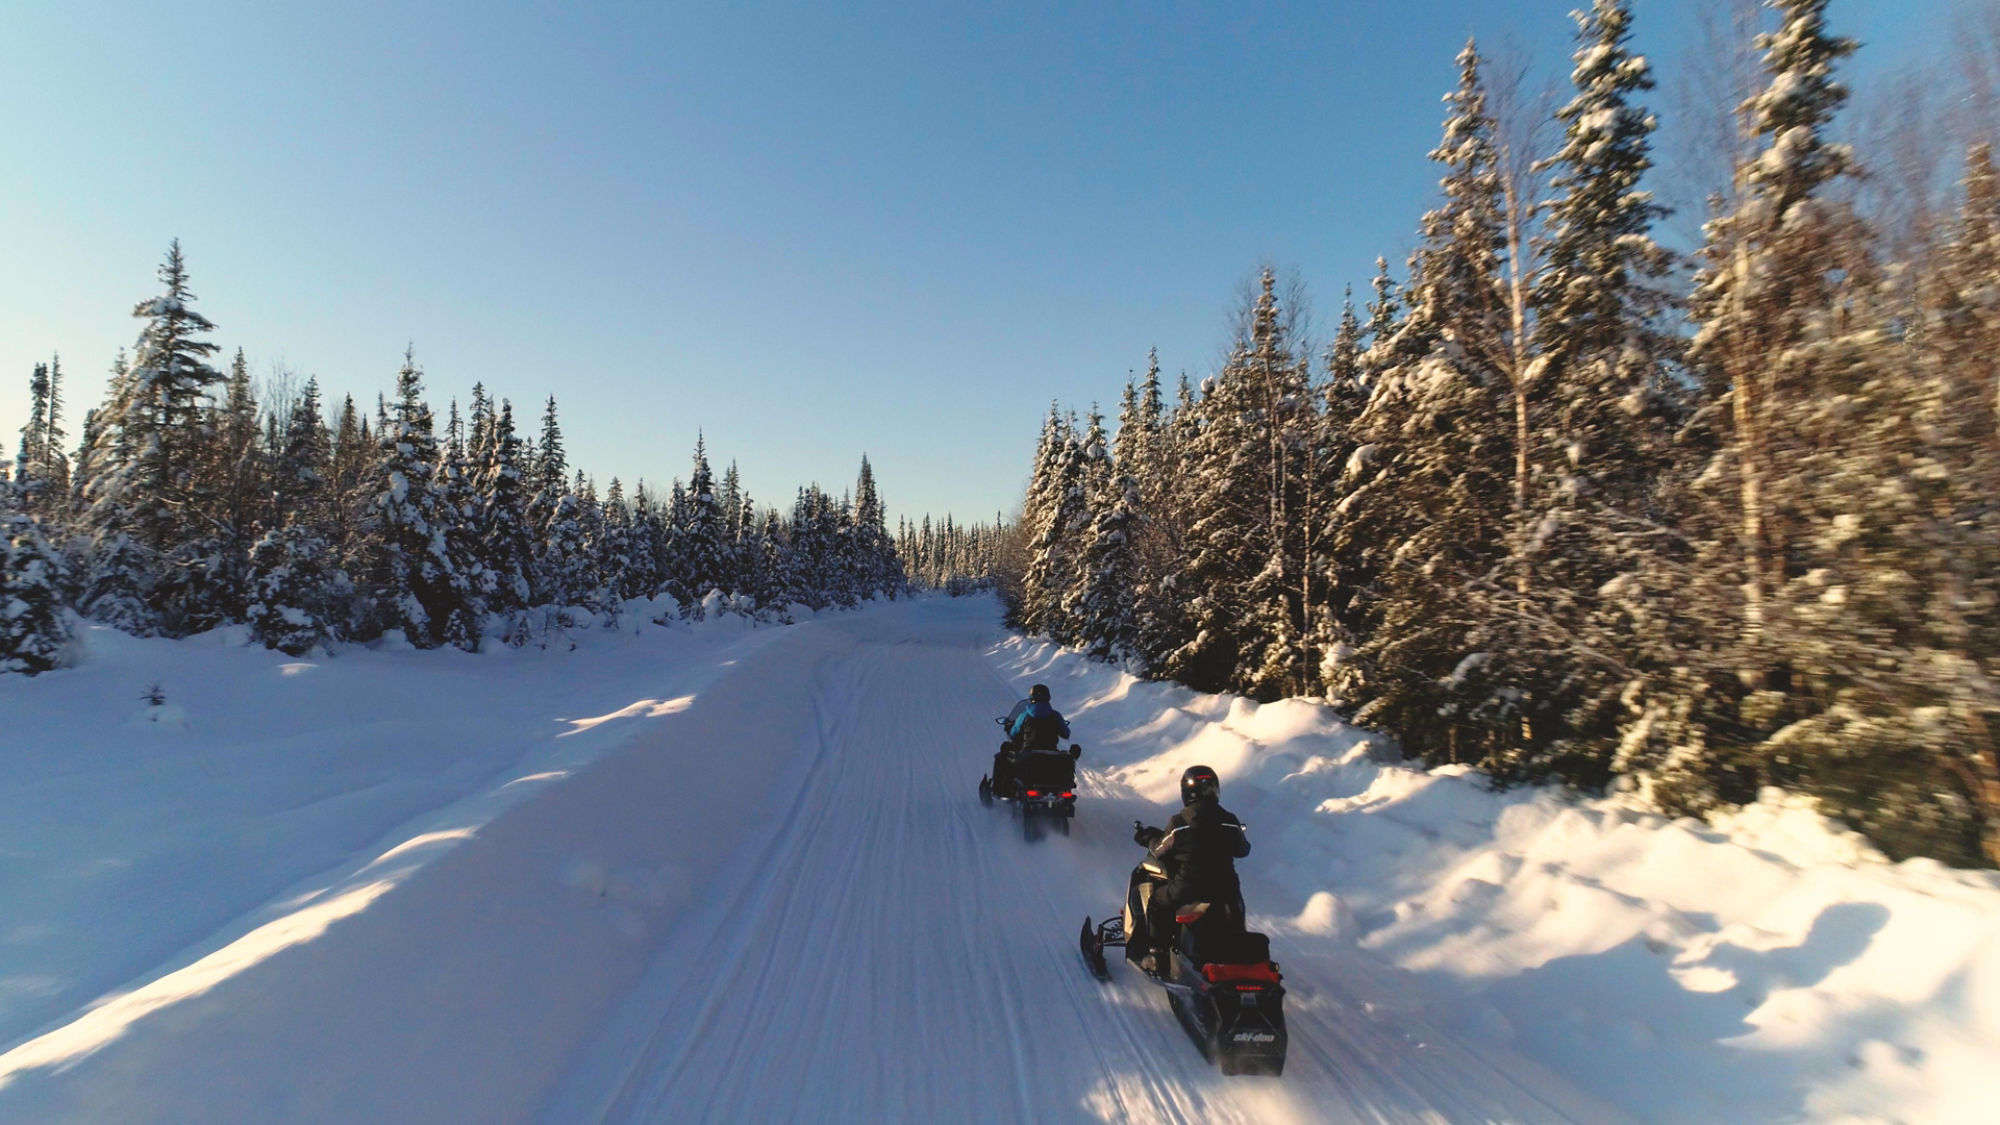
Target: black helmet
{"x":1038,"y":694}
{"x":1199,"y":782}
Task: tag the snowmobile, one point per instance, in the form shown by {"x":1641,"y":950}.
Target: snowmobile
{"x":1043,"y":787}
{"x":1220,"y":980}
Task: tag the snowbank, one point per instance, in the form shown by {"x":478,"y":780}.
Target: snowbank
{"x":1768,"y":967}
{"x":164,"y":799}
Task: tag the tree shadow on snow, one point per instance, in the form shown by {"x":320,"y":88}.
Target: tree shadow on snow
{"x":1625,"y":1027}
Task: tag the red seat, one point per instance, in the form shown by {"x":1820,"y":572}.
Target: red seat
{"x":1263,"y":971}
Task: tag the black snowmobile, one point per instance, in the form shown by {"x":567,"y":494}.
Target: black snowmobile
{"x":1221,"y":981}
{"x":1043,"y":787}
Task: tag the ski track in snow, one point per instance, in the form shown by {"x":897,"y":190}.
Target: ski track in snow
{"x":827,"y":926}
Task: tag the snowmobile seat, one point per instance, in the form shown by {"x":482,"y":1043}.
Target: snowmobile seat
{"x":1046,"y":769}
{"x":1225,"y":945}
{"x":1251,"y":972}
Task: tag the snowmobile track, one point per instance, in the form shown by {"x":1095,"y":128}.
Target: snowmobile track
{"x":892,"y":951}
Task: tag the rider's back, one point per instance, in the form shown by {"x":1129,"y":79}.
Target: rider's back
{"x":1040,"y":727}
{"x":1201,"y":846}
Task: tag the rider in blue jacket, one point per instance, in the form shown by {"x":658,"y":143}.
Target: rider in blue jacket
{"x":1032,"y":725}
{"x":1041,"y":724}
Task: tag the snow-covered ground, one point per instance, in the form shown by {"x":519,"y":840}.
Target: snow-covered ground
{"x":725,"y":873}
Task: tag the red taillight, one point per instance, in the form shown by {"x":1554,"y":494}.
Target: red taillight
{"x":1070,"y":796}
{"x":1034,"y":792}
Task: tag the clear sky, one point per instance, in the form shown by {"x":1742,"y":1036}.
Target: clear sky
{"x":812,"y":229}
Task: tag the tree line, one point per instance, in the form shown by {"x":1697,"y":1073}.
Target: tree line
{"x":1564,"y":504}
{"x":187,"y":505}
{"x":958,"y":559}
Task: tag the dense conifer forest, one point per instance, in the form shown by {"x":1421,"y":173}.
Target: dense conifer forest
{"x":1562,"y":503}
{"x":188,"y":504}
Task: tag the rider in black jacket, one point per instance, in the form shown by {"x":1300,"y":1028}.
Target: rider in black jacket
{"x":1198,"y":851}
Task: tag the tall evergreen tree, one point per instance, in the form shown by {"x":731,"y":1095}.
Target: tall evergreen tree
{"x":699,"y":535}
{"x":301,"y":478}
{"x":1773,"y":266}
{"x":1426,"y":510}
{"x":874,"y":552}
{"x":1104,"y":608}
{"x":1056,"y":519}
{"x":147,"y":482}
{"x":34,"y":632}
{"x":506,"y":543}
{"x":1586,"y":545}
{"x":42,"y":470}
{"x":159,"y":423}
{"x":418,"y":586}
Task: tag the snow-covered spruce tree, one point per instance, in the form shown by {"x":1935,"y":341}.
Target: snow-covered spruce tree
{"x":775,"y":570}
{"x":1158,"y":602}
{"x":1286,"y":467}
{"x":1343,"y":397}
{"x":347,"y":500}
{"x":754,"y":583}
{"x":506,"y":546}
{"x":1020,"y":607}
{"x":1094,"y":472}
{"x":1033,"y":606}
{"x":597,"y":583}
{"x":547,"y":471}
{"x":302,"y":467}
{"x":809,"y":550}
{"x":674,"y":517}
{"x":463,"y":519}
{"x":207,"y":574}
{"x":240,"y":459}
{"x":1886,"y":626}
{"x":843,"y":578}
{"x":1958,"y":332}
{"x":1056,"y":530}
{"x":32,"y":438}
{"x":1385,"y":319}
{"x":94,"y":446}
{"x":700,"y":536}
{"x":567,"y":574}
{"x":613,"y":548}
{"x":479,"y":425}
{"x":1106,"y":618}
{"x":1773,"y":267}
{"x":34,"y":632}
{"x":297,"y":601}
{"x":42,"y":472}
{"x":1580,"y":602}
{"x":877,"y":569}
{"x":642,"y":578}
{"x":1427,"y":492}
{"x":417,"y":585}
{"x":146,"y":463}
{"x":1225,"y":539}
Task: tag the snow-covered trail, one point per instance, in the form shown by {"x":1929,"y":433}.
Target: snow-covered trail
{"x":778,"y":900}
{"x":892,"y":950}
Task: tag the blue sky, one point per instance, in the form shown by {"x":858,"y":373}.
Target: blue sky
{"x":813,"y":230}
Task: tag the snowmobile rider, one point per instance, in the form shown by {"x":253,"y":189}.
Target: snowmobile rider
{"x":1198,"y":851}
{"x":1032,"y":725}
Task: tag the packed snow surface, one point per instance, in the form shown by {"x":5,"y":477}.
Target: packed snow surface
{"x":725,"y":873}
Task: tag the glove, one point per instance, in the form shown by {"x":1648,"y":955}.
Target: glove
{"x":1145,"y":836}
